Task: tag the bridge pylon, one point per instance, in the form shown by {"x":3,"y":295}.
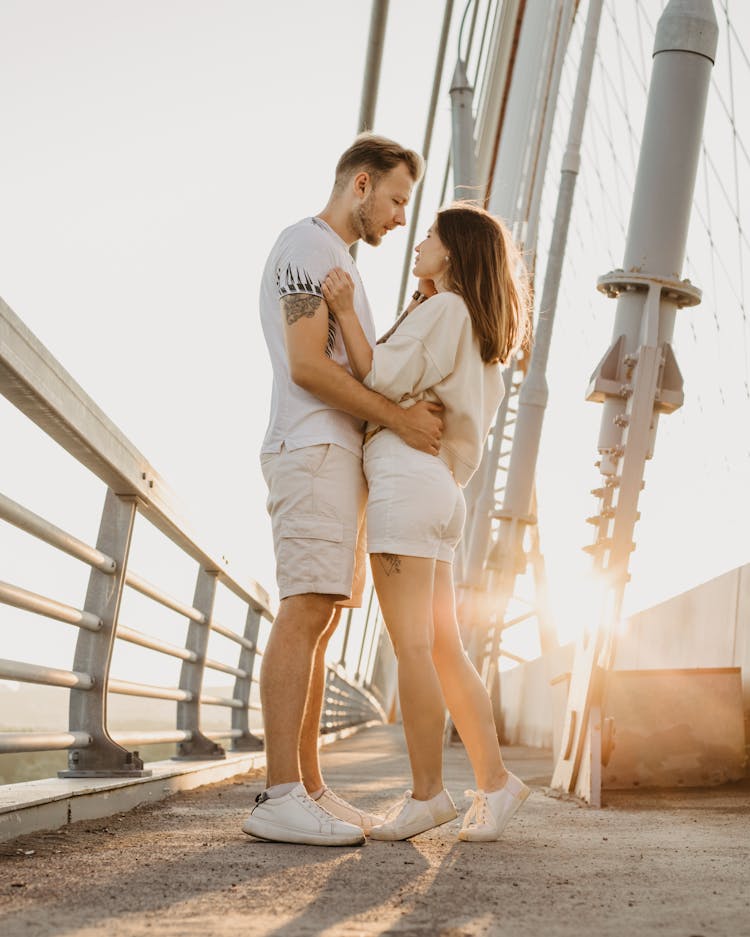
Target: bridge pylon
{"x":638,"y":377}
{"x":502,"y":536}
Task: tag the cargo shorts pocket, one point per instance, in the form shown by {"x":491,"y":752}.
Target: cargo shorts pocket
{"x":311,"y":527}
{"x":310,"y":549}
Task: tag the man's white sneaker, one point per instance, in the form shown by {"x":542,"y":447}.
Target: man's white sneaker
{"x":489,"y":814}
{"x":340,"y":808}
{"x":296,"y":818}
{"x":409,"y":817}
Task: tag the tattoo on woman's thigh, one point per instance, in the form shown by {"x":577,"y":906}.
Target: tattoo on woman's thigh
{"x":391,"y":562}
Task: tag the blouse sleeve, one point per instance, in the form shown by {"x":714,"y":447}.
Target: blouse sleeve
{"x":419,"y":354}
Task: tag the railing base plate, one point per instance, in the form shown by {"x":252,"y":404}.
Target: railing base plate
{"x":248,"y":743}
{"x":53,"y":803}
{"x":135,"y":773}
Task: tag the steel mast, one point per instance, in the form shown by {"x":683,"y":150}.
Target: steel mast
{"x":638,"y":378}
{"x":517,"y":175}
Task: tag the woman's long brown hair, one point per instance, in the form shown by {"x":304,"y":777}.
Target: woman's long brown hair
{"x":486,"y":270}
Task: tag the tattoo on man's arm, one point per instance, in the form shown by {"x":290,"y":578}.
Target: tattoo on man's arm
{"x":300,"y":306}
{"x":391,"y":563}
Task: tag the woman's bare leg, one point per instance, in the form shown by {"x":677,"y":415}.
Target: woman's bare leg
{"x":465,"y":694}
{"x":404,"y":585}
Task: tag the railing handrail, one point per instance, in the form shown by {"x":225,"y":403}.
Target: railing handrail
{"x":45,"y":392}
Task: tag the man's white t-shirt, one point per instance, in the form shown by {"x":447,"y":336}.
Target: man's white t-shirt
{"x":298,"y":263}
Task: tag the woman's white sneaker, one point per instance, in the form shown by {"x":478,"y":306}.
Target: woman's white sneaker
{"x":410,"y":817}
{"x":296,"y":818}
{"x":489,"y":814}
{"x":342,"y":809}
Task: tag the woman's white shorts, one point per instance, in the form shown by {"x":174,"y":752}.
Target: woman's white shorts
{"x":415,"y":507}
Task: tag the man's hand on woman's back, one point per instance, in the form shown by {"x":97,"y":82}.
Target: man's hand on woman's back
{"x":421,"y":426}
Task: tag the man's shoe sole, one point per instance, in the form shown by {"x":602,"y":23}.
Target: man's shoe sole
{"x":271,"y":833}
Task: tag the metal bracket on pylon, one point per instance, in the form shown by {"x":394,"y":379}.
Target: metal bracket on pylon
{"x":649,"y":381}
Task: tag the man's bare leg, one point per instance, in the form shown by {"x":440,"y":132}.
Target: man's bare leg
{"x":309,"y":758}
{"x":285,"y":680}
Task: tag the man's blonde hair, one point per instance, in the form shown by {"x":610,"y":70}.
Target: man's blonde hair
{"x":377,"y":156}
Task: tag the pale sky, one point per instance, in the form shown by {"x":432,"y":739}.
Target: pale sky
{"x":151,"y":153}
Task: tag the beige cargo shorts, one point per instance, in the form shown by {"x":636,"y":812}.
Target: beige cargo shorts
{"x":316,"y":500}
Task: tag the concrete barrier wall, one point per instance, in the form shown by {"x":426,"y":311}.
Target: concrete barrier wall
{"x":528,"y":698}
{"x":708,"y":626}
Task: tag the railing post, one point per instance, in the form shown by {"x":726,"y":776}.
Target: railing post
{"x":247,"y":741}
{"x":374,"y":639}
{"x":88,"y":708}
{"x":191,"y":674}
{"x":345,"y":642}
{"x":364,"y":635}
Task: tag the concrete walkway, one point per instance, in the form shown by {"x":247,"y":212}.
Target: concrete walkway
{"x":647,"y":863}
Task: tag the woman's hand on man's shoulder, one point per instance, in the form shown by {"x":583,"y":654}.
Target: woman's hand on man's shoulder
{"x":338,"y":292}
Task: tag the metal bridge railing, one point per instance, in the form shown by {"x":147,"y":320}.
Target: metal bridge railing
{"x":42,"y":390}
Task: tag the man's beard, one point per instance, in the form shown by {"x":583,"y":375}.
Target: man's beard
{"x":363,"y":223}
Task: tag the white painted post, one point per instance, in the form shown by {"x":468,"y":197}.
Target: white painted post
{"x":534,"y":390}
{"x":462,"y":138}
{"x":506,"y":558}
{"x":371,"y":82}
{"x":516,"y":179}
{"x":431,"y":111}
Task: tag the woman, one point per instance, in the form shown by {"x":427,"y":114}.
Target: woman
{"x":467,"y":319}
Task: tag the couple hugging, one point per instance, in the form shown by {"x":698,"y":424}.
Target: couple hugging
{"x":427,"y":394}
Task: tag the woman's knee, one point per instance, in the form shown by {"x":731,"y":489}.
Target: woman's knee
{"x":413,"y":649}
{"x":447,"y":650}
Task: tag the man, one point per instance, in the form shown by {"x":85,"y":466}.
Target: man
{"x":312,"y":462}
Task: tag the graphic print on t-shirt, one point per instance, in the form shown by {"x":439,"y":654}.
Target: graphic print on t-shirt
{"x":295,"y":280}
